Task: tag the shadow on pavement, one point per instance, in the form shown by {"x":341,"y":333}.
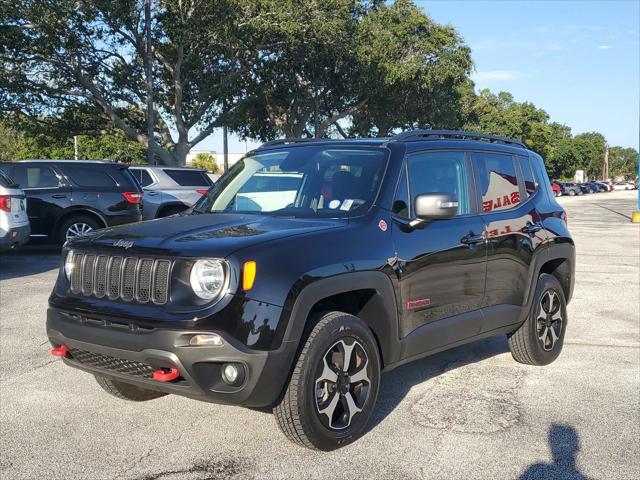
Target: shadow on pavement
{"x":28,"y":261}
{"x":565,"y":445}
{"x":395,"y":385}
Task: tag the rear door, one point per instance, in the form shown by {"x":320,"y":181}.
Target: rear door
{"x":505,"y":184}
{"x":48,"y":194}
{"x":441,"y":264}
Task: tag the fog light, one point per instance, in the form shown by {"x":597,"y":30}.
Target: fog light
{"x":232,"y":373}
{"x":206,"y":340}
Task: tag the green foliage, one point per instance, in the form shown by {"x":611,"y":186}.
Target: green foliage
{"x":207,"y":161}
{"x":382,"y":66}
{"x":34,"y":144}
{"x":501,"y":115}
{"x":623,"y":162}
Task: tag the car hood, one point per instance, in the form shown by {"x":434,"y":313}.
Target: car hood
{"x":199,"y":234}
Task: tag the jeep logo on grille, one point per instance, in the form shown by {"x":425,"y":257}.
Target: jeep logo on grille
{"x":123,"y":243}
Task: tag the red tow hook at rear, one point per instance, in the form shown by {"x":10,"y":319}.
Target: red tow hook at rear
{"x":60,"y":351}
{"x":166,"y":375}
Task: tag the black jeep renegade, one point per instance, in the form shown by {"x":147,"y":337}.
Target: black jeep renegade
{"x":313,"y":266}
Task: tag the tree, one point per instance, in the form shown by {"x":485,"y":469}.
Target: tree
{"x":207,"y":161}
{"x":380,"y":66}
{"x":623,"y":162}
{"x":590,"y":148}
{"x":501,"y":115}
{"x":69,"y":53}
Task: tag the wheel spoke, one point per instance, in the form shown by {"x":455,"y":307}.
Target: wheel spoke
{"x":543,"y":337}
{"x":327,"y":375}
{"x":554,"y":336}
{"x":545,"y":302}
{"x":552,"y":300}
{"x":347,"y":352}
{"x":557,"y":315}
{"x":350,"y":407}
{"x":360,"y":375}
{"x":330,"y":409}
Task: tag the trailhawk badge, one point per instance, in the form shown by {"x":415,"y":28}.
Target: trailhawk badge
{"x":123,"y":243}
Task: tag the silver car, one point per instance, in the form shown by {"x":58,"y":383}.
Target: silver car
{"x":14,"y":222}
{"x":169,"y":190}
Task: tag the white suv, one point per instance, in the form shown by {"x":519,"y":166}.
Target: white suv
{"x":14,"y":222}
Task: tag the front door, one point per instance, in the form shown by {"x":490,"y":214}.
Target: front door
{"x":440,"y":264}
{"x":47,"y":195}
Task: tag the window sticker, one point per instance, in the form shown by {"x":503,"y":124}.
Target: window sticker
{"x":346,"y":205}
{"x":334,"y":204}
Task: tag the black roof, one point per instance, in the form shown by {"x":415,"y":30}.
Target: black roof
{"x":408,"y":136}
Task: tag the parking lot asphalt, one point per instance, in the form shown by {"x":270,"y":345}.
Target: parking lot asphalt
{"x":472,"y":412}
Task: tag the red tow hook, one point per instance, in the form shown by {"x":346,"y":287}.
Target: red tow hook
{"x":162,"y":375}
{"x":60,"y":351}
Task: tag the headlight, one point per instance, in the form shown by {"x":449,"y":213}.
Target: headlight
{"x":208,"y":278}
{"x":68,"y":264}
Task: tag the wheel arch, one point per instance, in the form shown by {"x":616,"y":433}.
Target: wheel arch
{"x":78,"y":211}
{"x":559,"y":261}
{"x":165,"y":206}
{"x":368,"y":295}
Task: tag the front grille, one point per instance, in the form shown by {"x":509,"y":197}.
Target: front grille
{"x":126,"y":278}
{"x":105,"y":362}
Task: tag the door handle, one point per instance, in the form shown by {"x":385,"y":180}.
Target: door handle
{"x":59,"y":195}
{"x":151,"y":193}
{"x":473,"y":238}
{"x":532,"y":228}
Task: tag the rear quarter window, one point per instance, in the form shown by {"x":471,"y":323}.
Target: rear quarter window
{"x":6,"y":181}
{"x":189,"y":178}
{"x":86,"y":176}
{"x":497,"y":181}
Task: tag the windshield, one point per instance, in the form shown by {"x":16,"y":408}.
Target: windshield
{"x":300,"y":181}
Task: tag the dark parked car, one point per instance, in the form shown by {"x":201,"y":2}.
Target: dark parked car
{"x":69,"y":198}
{"x":169,"y":190}
{"x":587,"y":188}
{"x":598,"y":187}
{"x":389,"y":250}
{"x":570,"y":189}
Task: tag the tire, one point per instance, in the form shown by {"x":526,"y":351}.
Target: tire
{"x":172,"y":210}
{"x":572,"y":193}
{"x":327,"y":414}
{"x":126,"y":391}
{"x":534,"y":343}
{"x":79,"y":223}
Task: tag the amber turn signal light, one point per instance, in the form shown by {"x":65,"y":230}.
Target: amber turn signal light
{"x":248,"y":274}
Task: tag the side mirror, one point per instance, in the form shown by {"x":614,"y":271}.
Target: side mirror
{"x":436,"y":206}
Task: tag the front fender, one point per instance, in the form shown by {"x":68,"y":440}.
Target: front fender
{"x":381,"y":314}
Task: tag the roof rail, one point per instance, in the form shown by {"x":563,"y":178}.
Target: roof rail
{"x":286,"y":141}
{"x":415,"y":135}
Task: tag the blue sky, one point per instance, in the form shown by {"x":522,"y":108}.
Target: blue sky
{"x":578,"y":60}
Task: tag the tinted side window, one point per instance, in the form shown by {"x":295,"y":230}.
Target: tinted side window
{"x":189,"y":178}
{"x":530,"y":181}
{"x":497,"y":181}
{"x":6,"y":171}
{"x":142,"y":176}
{"x":36,"y":176}
{"x":87,"y":176}
{"x":439,"y":172}
{"x":401,"y":201}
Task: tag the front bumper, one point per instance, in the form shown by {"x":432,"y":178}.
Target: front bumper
{"x":128,"y":353}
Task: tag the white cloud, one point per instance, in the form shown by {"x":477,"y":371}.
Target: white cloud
{"x":605,"y":47}
{"x":495,"y":75}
